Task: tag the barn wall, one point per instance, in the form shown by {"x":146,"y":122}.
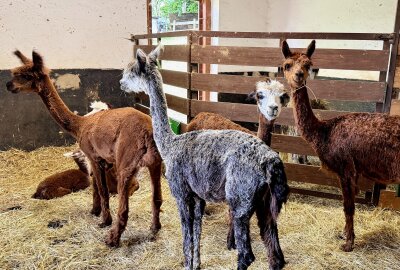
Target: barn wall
{"x":71,"y":34}
{"x":84,"y":42}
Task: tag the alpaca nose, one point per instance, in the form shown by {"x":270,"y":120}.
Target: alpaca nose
{"x":299,"y":74}
{"x":273,"y":108}
{"x":10,"y":86}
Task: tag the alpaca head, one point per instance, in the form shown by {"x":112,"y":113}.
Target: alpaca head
{"x":29,"y":76}
{"x":271,"y":97}
{"x":137,"y":74}
{"x":297,"y":66}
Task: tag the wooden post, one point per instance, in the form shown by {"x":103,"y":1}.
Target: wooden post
{"x":392,"y":65}
{"x":173,"y":25}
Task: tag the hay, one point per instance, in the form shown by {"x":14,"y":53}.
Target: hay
{"x":309,"y":228}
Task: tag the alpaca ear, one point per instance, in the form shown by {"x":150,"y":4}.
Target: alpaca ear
{"x":155,"y":54}
{"x":285,"y":98}
{"x":285,"y":49}
{"x":141,"y":58}
{"x":37,"y":61}
{"x":22,"y":57}
{"x":310,"y":49}
{"x":251,"y":97}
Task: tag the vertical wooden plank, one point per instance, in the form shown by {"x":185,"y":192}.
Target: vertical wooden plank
{"x":393,"y":57}
{"x":149,"y":21}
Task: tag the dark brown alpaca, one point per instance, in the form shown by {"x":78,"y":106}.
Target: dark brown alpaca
{"x":66,"y":182}
{"x":351,"y":145}
{"x":122,"y":138}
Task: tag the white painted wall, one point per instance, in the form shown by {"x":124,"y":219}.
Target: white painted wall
{"x":73,"y":33}
{"x":304,"y":16}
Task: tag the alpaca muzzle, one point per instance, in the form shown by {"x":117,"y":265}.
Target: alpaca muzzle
{"x":11,"y":88}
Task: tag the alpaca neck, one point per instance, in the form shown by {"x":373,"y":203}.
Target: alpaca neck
{"x":265,"y":128}
{"x":158,"y":108}
{"x":307,"y":123}
{"x":57,"y":108}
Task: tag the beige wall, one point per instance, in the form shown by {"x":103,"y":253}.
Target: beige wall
{"x":305,"y":16}
{"x":73,"y":33}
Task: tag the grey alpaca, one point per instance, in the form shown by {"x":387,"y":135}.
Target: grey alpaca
{"x":214,"y":165}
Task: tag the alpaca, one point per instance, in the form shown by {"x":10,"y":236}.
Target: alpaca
{"x":270,"y":97}
{"x":350,"y":145}
{"x":66,"y":182}
{"x":214,"y":165}
{"x":121,"y":137}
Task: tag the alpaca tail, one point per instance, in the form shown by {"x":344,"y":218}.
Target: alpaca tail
{"x":278,"y":187}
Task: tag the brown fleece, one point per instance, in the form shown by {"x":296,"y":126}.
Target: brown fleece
{"x":351,"y":145}
{"x":122,"y":138}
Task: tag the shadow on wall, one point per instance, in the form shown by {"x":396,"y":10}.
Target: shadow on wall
{"x":25,"y":122}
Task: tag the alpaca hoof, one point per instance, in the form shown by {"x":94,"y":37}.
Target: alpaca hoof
{"x":277,"y":265}
{"x":105,"y":224}
{"x":348,"y":247}
{"x":230,"y":242}
{"x":95,"y":212}
{"x":245,"y":260}
{"x":231,"y":245}
{"x":155,"y":228}
{"x":112,"y":241}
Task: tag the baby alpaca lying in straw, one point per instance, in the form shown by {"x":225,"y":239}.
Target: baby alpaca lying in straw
{"x":214,"y":165}
{"x":63,"y":183}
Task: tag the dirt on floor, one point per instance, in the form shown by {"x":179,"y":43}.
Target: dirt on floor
{"x":61,"y":233}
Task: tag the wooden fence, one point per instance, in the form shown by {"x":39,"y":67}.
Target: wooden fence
{"x":197,"y":54}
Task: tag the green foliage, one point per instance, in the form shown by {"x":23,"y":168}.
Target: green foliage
{"x":175,"y":7}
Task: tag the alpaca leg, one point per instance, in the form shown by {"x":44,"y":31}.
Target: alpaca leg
{"x":242,"y":238}
{"x":96,"y":208}
{"x":124,"y":182}
{"x":348,"y":191}
{"x":100,"y":178}
{"x":230,"y":241}
{"x":269,"y":235}
{"x":186,"y":211}
{"x":198,"y":215}
{"x":155,"y":174}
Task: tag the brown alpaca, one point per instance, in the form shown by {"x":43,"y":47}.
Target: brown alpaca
{"x":351,"y":145}
{"x":121,"y":137}
{"x":270,"y":97}
{"x":63,"y":183}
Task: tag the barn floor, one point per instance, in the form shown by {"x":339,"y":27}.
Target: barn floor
{"x":309,"y":228}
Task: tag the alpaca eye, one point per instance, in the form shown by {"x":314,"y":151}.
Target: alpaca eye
{"x":259,"y":96}
{"x":287,"y":67}
{"x":27,"y":77}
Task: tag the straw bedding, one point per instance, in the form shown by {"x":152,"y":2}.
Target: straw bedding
{"x":61,"y":234}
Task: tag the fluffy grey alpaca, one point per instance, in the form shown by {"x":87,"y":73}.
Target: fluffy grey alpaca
{"x":214,"y":165}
